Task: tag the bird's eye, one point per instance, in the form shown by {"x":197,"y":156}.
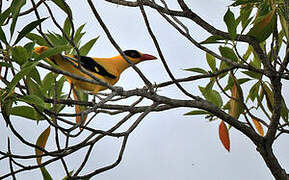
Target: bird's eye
{"x":132,"y":53}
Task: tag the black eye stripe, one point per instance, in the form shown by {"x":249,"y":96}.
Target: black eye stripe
{"x":132,"y":53}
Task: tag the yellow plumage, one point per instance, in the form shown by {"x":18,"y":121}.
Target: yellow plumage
{"x":106,"y":69}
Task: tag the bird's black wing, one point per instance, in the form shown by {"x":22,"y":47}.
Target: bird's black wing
{"x":91,"y":65}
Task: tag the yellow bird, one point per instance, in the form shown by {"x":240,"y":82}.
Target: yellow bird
{"x":106,"y":69}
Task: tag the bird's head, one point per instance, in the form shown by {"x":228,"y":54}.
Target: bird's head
{"x":137,"y":57}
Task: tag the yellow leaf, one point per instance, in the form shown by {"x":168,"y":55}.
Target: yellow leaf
{"x":224,"y":135}
{"x":258,"y":126}
{"x":41,"y":142}
{"x":236,"y":106}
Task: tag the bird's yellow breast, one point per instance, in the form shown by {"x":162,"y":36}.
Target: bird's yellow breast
{"x":69,"y":67}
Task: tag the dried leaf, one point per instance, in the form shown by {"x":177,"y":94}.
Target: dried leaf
{"x":224,"y":135}
{"x":258,"y":126}
{"x":41,"y":142}
{"x":236,"y":106}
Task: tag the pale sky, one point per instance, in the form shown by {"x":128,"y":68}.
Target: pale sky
{"x":166,"y":145}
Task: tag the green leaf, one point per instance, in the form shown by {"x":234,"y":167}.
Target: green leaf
{"x":213,"y":40}
{"x":41,"y":142}
{"x":45,"y":174}
{"x":211,"y":61}
{"x":56,"y":39}
{"x":24,"y":71}
{"x":29,"y":48}
{"x":78,"y":34}
{"x":26,"y":112}
{"x":67,"y":27}
{"x":263,"y":26}
{"x":223,"y":65}
{"x":3,"y":36}
{"x":243,"y":80}
{"x":244,"y":17}
{"x":4,"y":15}
{"x":59,"y":85}
{"x":197,"y":70}
{"x":268,"y":95}
{"x":212,"y":95}
{"x":196,"y":112}
{"x":34,"y":74}
{"x":70,"y":173}
{"x":228,"y":53}
{"x":6,"y":105}
{"x":241,"y":2}
{"x":82,"y":96}
{"x":246,"y":24}
{"x":231,"y":82}
{"x":283,"y":22}
{"x":19,"y":55}
{"x":33,"y":99}
{"x":34,"y":88}
{"x":48,"y":82}
{"x":253,"y":93}
{"x":51,"y":52}
{"x":5,"y":64}
{"x":28,"y":28}
{"x":284,"y":111}
{"x":37,"y":39}
{"x":248,"y":53}
{"x":86,"y":48}
{"x":16,"y":5}
{"x":252,"y":74}
{"x":59,"y":107}
{"x":210,"y":85}
{"x":231,"y":24}
{"x":62,"y":5}
{"x":256,"y":62}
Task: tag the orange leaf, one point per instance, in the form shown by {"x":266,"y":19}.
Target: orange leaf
{"x":224,"y":135}
{"x":41,"y":142}
{"x":258,"y":126}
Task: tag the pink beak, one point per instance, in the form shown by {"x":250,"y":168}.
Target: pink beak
{"x":147,"y":57}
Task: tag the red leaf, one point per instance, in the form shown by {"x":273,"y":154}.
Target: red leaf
{"x":224,"y":135}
